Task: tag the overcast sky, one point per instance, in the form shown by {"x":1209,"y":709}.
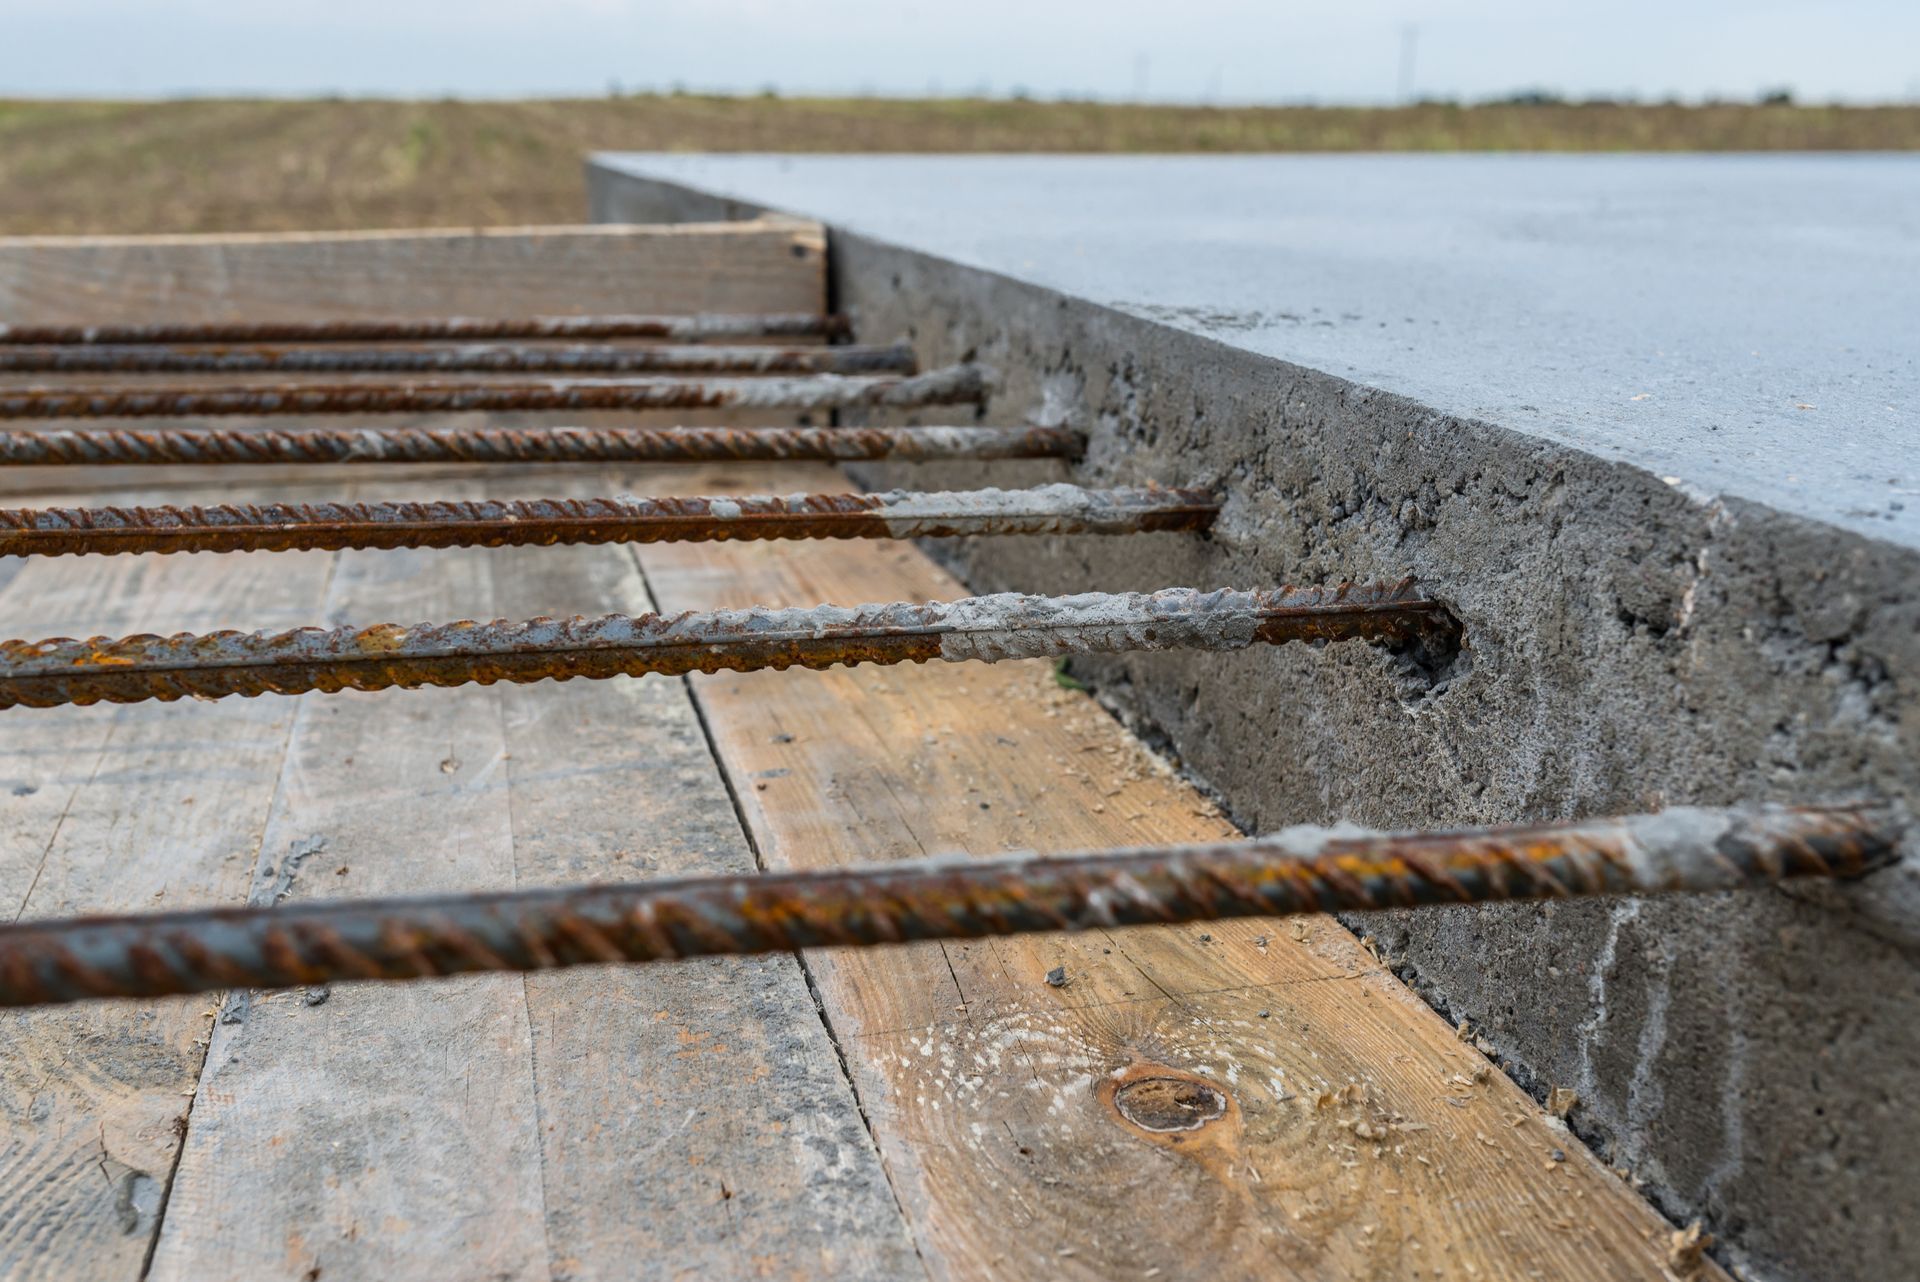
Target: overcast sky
{"x":1187,"y":50}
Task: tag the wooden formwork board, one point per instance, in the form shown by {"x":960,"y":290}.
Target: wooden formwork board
{"x":770,"y":265}
{"x":933,"y":1110}
{"x":767,"y":265}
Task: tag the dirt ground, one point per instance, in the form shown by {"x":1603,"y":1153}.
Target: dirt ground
{"x":236,"y":165}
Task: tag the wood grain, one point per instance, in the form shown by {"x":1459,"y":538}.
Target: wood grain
{"x":691,"y":1120}
{"x":694,"y":1118}
{"x":764,"y":265}
{"x":384,"y":1131}
{"x":1356,"y":1136}
{"x":683,"y":1121}
{"x":125,"y":809}
{"x":768,"y":265}
{"x":678,"y":1121}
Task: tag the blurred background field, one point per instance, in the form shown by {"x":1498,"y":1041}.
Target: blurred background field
{"x":197,"y":165}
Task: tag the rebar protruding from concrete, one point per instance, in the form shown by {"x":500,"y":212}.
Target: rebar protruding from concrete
{"x":122,"y":448}
{"x":896,"y":514}
{"x":412,"y":329}
{"x":961,"y":383}
{"x":44,"y":674}
{"x":1298,"y":871}
{"x":498,"y":358}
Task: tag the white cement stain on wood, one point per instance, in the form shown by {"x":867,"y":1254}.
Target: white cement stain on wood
{"x":1042,"y":1129}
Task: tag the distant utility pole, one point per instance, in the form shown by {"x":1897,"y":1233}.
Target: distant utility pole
{"x":1409,"y":48}
{"x":1139,"y":77}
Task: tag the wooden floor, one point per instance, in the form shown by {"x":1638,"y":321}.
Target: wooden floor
{"x":1241,"y":1100}
{"x":933,"y":1110}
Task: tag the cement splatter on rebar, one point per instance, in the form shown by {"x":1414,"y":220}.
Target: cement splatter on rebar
{"x":1298,"y":871}
{"x":210,"y":447}
{"x":898,"y":514}
{"x":956,"y":385}
{"x":1006,"y":626}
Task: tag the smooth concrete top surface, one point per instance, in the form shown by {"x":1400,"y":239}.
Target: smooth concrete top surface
{"x":1745,"y":325}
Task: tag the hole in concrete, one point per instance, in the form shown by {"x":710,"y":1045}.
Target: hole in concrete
{"x":1169,"y":1104}
{"x":1434,"y":658}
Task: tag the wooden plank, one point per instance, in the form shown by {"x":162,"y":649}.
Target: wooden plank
{"x":696,"y":1116}
{"x":385,"y":1131}
{"x":120,"y":810}
{"x":1357,"y":1136}
{"x":684,"y":1121}
{"x":768,"y":265}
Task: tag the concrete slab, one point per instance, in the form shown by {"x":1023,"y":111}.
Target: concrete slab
{"x":1744,"y":325}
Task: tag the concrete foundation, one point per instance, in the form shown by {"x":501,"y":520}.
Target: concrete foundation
{"x":1631,"y":643}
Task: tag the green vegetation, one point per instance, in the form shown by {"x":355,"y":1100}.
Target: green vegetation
{"x":230,"y":165}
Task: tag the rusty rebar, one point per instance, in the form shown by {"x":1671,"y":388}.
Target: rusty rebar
{"x":964,"y":383}
{"x":44,"y":674}
{"x":415,"y":329}
{"x":499,"y":358}
{"x":208,"y":447}
{"x":1301,"y":870}
{"x":895,"y":514}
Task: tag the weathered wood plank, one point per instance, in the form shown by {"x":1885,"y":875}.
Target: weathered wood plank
{"x":382,"y":1131}
{"x":121,"y":810}
{"x":1357,"y":1136}
{"x":686,"y":1121}
{"x":761,"y":266}
{"x":695,"y":1120}
{"x":392,"y":1131}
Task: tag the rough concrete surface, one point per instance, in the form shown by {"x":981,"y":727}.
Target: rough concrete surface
{"x":1631,"y":644}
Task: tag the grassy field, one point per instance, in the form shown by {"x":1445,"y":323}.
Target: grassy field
{"x":229,"y":165}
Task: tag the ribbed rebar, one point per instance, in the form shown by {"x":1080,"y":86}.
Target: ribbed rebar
{"x":1010,"y":625}
{"x":896,"y":514}
{"x":963,"y":383}
{"x":1301,"y":870}
{"x":206,"y":447}
{"x":413,"y":329}
{"x":499,"y":358}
